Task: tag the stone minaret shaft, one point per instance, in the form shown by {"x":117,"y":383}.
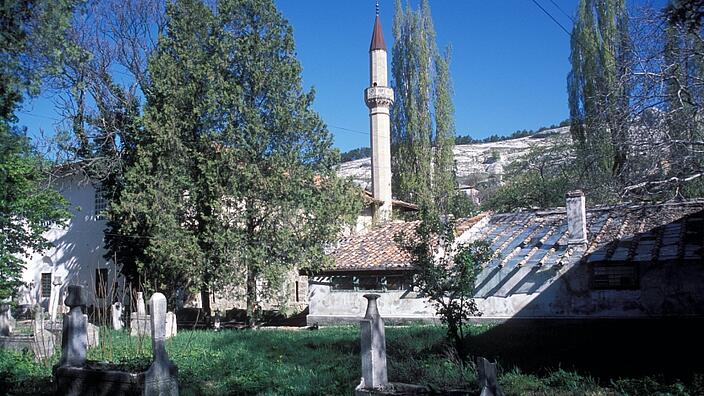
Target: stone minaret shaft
{"x":379,"y":98}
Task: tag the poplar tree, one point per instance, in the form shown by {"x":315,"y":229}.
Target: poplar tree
{"x":235,"y":182}
{"x":598,"y":86}
{"x":422,"y":126}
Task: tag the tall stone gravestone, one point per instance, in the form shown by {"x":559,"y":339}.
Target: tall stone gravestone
{"x":162,"y":376}
{"x":74,"y":338}
{"x":54,"y":298}
{"x":373,"y":346}
{"x":116,"y":311}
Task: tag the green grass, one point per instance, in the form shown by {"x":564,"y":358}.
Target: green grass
{"x":324,"y":362}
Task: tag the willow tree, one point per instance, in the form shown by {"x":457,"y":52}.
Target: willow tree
{"x":598,"y":85}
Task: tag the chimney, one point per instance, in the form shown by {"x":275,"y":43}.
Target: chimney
{"x":576,"y":217}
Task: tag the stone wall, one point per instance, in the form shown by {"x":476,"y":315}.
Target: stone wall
{"x":525,"y":292}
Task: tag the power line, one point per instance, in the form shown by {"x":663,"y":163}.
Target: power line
{"x":551,"y":17}
{"x":348,"y":129}
{"x":562,"y":11}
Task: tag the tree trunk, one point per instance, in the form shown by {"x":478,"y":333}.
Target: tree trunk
{"x":251,"y":297}
{"x":205,"y":302}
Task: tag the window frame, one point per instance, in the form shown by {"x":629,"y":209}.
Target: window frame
{"x":611,"y":277}
{"x":45,"y":277}
{"x":100,"y":202}
{"x":381,"y":283}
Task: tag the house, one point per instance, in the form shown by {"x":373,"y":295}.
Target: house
{"x":77,"y":253}
{"x":624,"y":261}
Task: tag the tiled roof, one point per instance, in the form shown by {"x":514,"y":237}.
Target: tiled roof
{"x":377,"y":249}
{"x":672,"y":232}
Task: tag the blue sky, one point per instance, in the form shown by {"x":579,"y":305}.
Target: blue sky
{"x":509,"y":63}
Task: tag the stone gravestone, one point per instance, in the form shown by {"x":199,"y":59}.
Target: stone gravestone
{"x":162,"y":376}
{"x":373,"y":346}
{"x":139,"y":322}
{"x":116,"y":311}
{"x":141,"y":308}
{"x":74,"y":338}
{"x":486,"y":376}
{"x":54,"y":298}
{"x":7,"y":322}
{"x":170,"y":324}
{"x":93,"y":333}
{"x":43,"y":343}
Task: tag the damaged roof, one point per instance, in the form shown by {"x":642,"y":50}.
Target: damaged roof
{"x":617,"y":235}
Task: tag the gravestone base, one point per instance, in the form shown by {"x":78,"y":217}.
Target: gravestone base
{"x":401,"y":389}
{"x":94,"y":380}
{"x":42,"y":345}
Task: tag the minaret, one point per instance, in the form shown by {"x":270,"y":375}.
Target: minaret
{"x":379,"y":98}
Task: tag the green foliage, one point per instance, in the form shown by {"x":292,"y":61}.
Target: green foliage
{"x":542,"y":177}
{"x":327,"y":362}
{"x":354,"y":154}
{"x":235,"y":178}
{"x":445,"y":272}
{"x":598,"y":85}
{"x":422,"y":120}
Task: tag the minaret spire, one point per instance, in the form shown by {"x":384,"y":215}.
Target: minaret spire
{"x":379,"y":97}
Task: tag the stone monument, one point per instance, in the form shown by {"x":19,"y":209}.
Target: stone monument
{"x":74,"y":338}
{"x":116,"y":310}
{"x":373,"y":346}
{"x":162,"y":376}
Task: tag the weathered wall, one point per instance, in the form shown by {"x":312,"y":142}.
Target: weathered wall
{"x":335,"y":307}
{"x":524,"y":292}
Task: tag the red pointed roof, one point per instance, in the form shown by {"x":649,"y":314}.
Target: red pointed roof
{"x":377,"y":36}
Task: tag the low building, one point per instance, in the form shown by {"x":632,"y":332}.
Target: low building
{"x":625,"y":261}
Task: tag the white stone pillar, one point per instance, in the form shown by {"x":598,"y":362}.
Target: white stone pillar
{"x":373,"y":343}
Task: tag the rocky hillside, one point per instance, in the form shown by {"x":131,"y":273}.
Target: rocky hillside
{"x":475,"y":162}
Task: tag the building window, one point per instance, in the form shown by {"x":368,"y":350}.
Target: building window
{"x":46,"y":284}
{"x":615,"y":277}
{"x":101,"y":203}
{"x":370,"y":283}
{"x":101,"y":282}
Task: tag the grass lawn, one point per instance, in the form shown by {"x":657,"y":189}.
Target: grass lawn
{"x":326,"y":362}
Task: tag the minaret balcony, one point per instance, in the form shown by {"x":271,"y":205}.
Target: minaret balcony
{"x":379,"y":96}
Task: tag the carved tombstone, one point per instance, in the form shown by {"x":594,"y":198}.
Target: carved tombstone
{"x":373,"y":351}
{"x":162,"y":376}
{"x":116,"y":310}
{"x":74,"y":338}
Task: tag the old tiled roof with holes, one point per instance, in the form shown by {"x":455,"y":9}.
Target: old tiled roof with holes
{"x":617,"y":235}
{"x":377,"y":249}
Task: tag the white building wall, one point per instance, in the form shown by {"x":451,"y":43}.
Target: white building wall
{"x":77,"y":249}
